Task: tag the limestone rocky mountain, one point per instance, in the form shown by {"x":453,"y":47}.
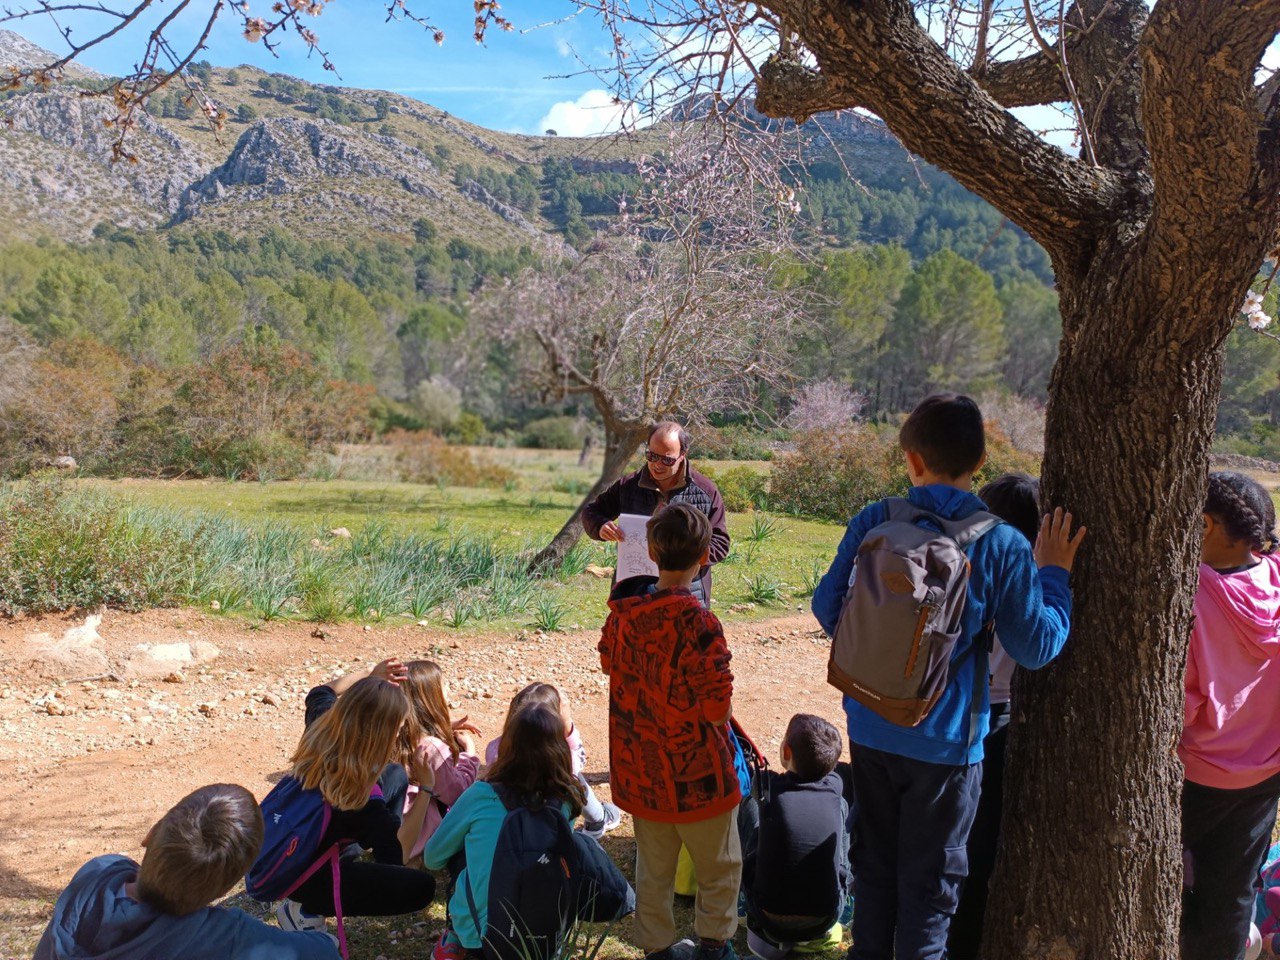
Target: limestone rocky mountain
{"x":317,"y":160}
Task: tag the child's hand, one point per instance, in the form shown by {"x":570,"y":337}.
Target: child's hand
{"x":391,"y":670}
{"x":421,"y":772}
{"x":1055,"y":546}
{"x":468,"y":742}
{"x":464,"y":723}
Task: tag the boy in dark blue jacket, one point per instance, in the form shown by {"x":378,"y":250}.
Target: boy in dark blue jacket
{"x":918,"y":787}
{"x":115,"y":909}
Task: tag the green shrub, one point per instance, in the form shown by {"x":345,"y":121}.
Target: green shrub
{"x":469,"y":430}
{"x":554,"y":433}
{"x":834,"y":474}
{"x":736,"y":441}
{"x":65,"y":548}
{"x":742,"y":487}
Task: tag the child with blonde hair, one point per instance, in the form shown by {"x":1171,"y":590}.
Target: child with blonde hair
{"x":334,"y":775}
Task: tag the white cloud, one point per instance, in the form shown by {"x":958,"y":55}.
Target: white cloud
{"x":592,"y":114}
{"x":563,"y":48}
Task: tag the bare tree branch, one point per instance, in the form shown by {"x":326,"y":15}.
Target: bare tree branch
{"x":888,"y":63}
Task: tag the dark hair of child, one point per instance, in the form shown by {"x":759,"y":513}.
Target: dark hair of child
{"x":679,"y":535}
{"x":1015,"y":499}
{"x":945,"y":429}
{"x":1242,"y":506}
{"x":534,"y":760}
{"x":200,"y":848}
{"x":815,"y":746}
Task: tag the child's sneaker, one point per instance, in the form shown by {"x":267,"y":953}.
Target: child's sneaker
{"x":709,"y":950}
{"x":291,"y":917}
{"x":449,"y":947}
{"x":596,"y":829}
{"x":680,"y":950}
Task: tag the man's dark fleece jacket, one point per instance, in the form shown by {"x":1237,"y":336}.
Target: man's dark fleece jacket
{"x":637,"y":493}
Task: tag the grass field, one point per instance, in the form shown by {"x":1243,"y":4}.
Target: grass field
{"x":771,"y":569}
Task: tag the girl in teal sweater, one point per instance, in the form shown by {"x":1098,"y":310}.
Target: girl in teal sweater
{"x":533,"y":763}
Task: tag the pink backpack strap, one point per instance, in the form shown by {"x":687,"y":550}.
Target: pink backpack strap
{"x":332,"y":856}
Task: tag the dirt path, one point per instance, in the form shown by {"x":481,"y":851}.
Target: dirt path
{"x":89,"y":764}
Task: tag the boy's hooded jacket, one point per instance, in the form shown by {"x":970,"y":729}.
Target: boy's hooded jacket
{"x":1231,"y":733}
{"x":1031,"y":610}
{"x":95,"y":920}
{"x":669,"y":679}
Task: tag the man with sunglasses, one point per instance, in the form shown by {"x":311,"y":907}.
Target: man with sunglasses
{"x":665,"y":478}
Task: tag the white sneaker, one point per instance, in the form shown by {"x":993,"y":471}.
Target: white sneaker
{"x":596,"y":829}
{"x":290,"y":916}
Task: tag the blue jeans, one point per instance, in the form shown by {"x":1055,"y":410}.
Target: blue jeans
{"x":909,"y":857}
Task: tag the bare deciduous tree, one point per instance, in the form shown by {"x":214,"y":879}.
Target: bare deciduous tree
{"x":685,"y":309}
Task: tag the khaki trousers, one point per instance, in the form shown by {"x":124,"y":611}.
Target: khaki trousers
{"x":716,"y":852}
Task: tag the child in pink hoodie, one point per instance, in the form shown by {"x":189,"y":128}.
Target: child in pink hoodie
{"x":1230,"y":746}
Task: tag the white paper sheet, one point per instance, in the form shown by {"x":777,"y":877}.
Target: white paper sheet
{"x":633,"y":552}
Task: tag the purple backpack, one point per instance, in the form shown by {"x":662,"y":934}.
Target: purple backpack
{"x":295,"y":821}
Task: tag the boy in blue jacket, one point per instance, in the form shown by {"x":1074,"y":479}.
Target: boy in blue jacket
{"x":115,"y":909}
{"x":918,"y":787}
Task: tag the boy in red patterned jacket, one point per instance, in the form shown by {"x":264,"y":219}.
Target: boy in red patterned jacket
{"x":670,"y":758}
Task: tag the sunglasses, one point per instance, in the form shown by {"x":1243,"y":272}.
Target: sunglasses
{"x":659,"y":458}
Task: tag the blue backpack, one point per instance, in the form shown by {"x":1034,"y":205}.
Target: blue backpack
{"x":535,"y":884}
{"x":295,"y":821}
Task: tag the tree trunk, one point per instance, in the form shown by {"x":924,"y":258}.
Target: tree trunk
{"x":1090,"y":863}
{"x":618,"y":448}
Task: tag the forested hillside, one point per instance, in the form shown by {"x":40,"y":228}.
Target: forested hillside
{"x":355,"y":227}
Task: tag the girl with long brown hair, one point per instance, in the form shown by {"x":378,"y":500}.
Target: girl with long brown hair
{"x":340,"y":757}
{"x":597,"y":817}
{"x":447,"y":746}
{"x":533,"y":768}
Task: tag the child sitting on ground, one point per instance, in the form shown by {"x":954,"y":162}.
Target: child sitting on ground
{"x":447,"y":745}
{"x":393,"y":782}
{"x":671,"y":763}
{"x":532,"y":777}
{"x":795,"y":842}
{"x":1230,"y":745}
{"x":337,"y":762}
{"x":114,"y":909}
{"x":597,"y":817}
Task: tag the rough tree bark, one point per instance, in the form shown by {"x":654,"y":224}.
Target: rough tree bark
{"x":620,"y":444}
{"x":1153,"y":250}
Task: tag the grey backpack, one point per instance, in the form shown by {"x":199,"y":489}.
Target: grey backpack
{"x":901,"y":617}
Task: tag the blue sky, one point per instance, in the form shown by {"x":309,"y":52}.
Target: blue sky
{"x":514,"y":82}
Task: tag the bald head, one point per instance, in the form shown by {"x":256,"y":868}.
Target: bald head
{"x":670,"y":431}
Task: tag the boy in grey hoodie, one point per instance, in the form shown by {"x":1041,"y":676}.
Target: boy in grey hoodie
{"x":115,"y":909}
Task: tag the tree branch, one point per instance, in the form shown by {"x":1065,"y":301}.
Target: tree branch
{"x":876,"y":54}
{"x":1026,"y":82}
{"x":1213,"y":157}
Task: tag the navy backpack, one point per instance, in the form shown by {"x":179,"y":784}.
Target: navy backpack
{"x":535,"y":884}
{"x":295,"y":821}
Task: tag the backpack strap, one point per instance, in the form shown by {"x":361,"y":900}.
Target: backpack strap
{"x":963,"y":531}
{"x":980,"y":650}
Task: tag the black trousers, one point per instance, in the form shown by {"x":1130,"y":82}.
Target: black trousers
{"x":909,"y":855}
{"x":1225,"y":837}
{"x":368,"y":890}
{"x":984,"y":839}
